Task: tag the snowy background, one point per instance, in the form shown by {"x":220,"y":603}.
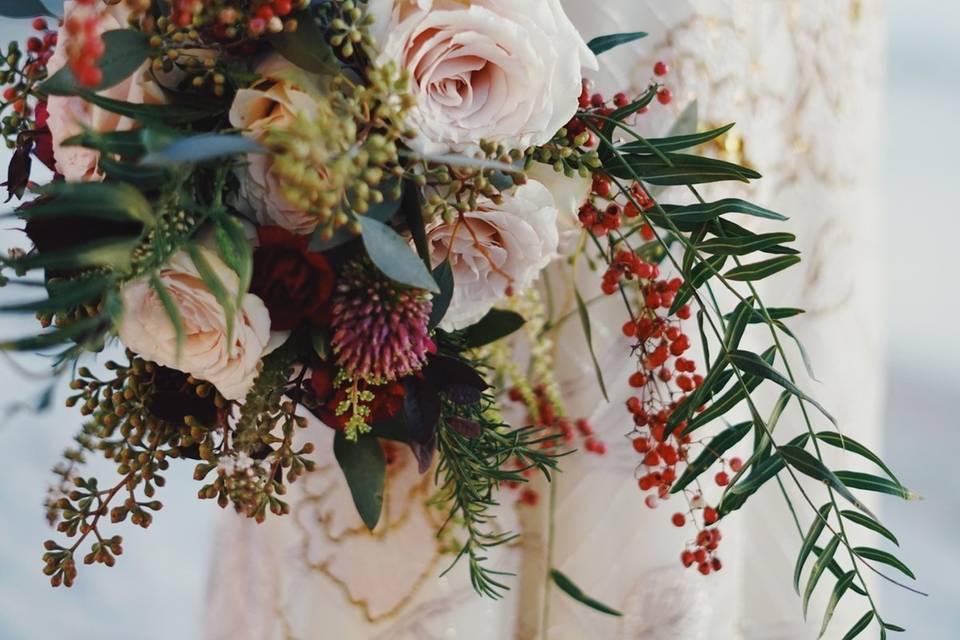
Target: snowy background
{"x":159,"y":582}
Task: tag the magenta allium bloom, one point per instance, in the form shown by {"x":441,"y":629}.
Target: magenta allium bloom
{"x":380,"y":328}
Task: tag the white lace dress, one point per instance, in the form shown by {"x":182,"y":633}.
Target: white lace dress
{"x":801,"y":79}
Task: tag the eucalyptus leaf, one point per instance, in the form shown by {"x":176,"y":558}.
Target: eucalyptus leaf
{"x":394,"y":257}
{"x":202,"y":148}
{"x":568,"y":587}
{"x":382,"y":212}
{"x":364,"y":466}
{"x":307,"y":46}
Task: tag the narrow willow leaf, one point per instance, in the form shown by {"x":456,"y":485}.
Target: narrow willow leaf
{"x":870,"y":523}
{"x":602,"y":44}
{"x":807,"y":362}
{"x":818,"y":568}
{"x":443,"y":275}
{"x":835,"y":439}
{"x":24,"y":9}
{"x":496,"y":325}
{"x":868,"y":482}
{"x":878,"y":555}
{"x":306,"y":46}
{"x":64,"y":296}
{"x":809,"y":542}
{"x":125,"y":50}
{"x":201,"y":148}
{"x":618,"y":117}
{"x":718,"y":375}
{"x":708,"y":211}
{"x":674,"y":143}
{"x":762,"y":472}
{"x":588,"y":335}
{"x":682,"y":170}
{"x":838,"y":592}
{"x":861,"y":624}
{"x":752,"y":363}
{"x":115,"y":253}
{"x":763,"y":269}
{"x":725,"y":403}
{"x":893,"y":627}
{"x":806,"y":463}
{"x":149,"y":113}
{"x":172,"y":311}
{"x":144,"y":178}
{"x":738,"y":324}
{"x":106,"y":201}
{"x":724,"y":228}
{"x":698,"y":277}
{"x":711,"y":453}
{"x":212,"y":281}
{"x":568,"y":587}
{"x":834,"y":568}
{"x":364,"y":466}
{"x":745,"y":245}
{"x":236,"y":252}
{"x":394,"y":257}
{"x":775,"y":313}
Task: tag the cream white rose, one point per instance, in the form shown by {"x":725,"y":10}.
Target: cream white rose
{"x":500,"y":70}
{"x":71,"y":115}
{"x":146,"y":328}
{"x":273,"y":102}
{"x":494,"y":250}
{"x":569,"y":194}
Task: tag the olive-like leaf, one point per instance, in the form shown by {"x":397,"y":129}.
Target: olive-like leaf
{"x":675,"y":142}
{"x":172,"y":311}
{"x":760,"y":270}
{"x":602,"y":44}
{"x":878,"y":555}
{"x":754,"y":364}
{"x":807,"y":464}
{"x":835,"y":439}
{"x":869,"y":523}
{"x":25,"y":9}
{"x":443,"y":275}
{"x":818,"y":568}
{"x":869,"y":482}
{"x":364,"y":466}
{"x":860,"y":625}
{"x":202,"y":148}
{"x":743,"y":245}
{"x":838,"y":592}
{"x":568,"y":587}
{"x":588,"y":336}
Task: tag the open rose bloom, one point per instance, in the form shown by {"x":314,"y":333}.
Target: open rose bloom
{"x":406,"y":254}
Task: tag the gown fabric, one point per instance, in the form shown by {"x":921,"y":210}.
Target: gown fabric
{"x":802,"y":79}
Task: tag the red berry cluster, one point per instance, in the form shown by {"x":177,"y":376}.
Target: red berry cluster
{"x":40,"y":49}
{"x":84,"y":45}
{"x":703,"y":551}
{"x":568,"y":431}
{"x":228,"y":19}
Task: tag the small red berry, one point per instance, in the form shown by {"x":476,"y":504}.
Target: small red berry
{"x":39,"y":24}
{"x":664,"y":96}
{"x":710,"y":515}
{"x":736,"y":464}
{"x":621,"y":99}
{"x":722,"y":479}
{"x":661,"y":68}
{"x":678,"y":520}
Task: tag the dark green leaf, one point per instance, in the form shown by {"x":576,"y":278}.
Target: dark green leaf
{"x":172,"y":310}
{"x":682,"y":169}
{"x":738,"y":324}
{"x":70,"y":332}
{"x":588,"y":336}
{"x":201,"y":148}
{"x":115,"y":253}
{"x":443,"y":275}
{"x":711,"y":453}
{"x":307,"y":46}
{"x":806,"y":463}
{"x":144,"y":178}
{"x":496,"y":325}
{"x":364,"y":466}
{"x":568,"y":587}
{"x":106,"y":201}
{"x":877,"y":555}
{"x":603,"y":44}
{"x":834,"y":568}
{"x":743,"y":245}
{"x":697,"y":278}
{"x":818,"y":568}
{"x":394,"y":257}
{"x":754,"y":364}
{"x":809,"y":542}
{"x":708,"y":211}
{"x":125,"y":51}
{"x":893,"y":627}
{"x":383,"y":212}
{"x":870,"y":523}
{"x":170,"y":113}
{"x":861,"y":624}
{"x":868,"y":482}
{"x":760,"y":270}
{"x":840,"y":441}
{"x":24,"y":9}
{"x":673,"y":143}
{"x":64,"y":296}
{"x":236,"y":252}
{"x":212,"y":281}
{"x":758,"y":477}
{"x":731,"y":398}
{"x":775,"y":314}
{"x":838,"y":591}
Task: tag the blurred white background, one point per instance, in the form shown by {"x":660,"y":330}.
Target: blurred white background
{"x":156,"y":591}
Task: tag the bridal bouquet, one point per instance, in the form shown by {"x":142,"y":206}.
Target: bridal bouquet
{"x":361,"y":211}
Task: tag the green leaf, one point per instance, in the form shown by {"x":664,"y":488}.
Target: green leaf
{"x":149,"y":113}
{"x":838,"y":591}
{"x":809,"y":542}
{"x":711,"y":453}
{"x":210,"y":278}
{"x":731,"y":398}
{"x":877,"y":555}
{"x":870,"y":523}
{"x":115,"y":253}
{"x":105,"y":201}
{"x":236,"y":252}
{"x":201,"y":148}
{"x":892,"y":627}
{"x":70,"y":332}
{"x":818,"y":568}
{"x":839,"y":441}
{"x":775,"y":313}
{"x":868,"y":482}
{"x":307,"y":46}
{"x":443,"y":275}
{"x":588,"y":336}
{"x":708,"y":211}
{"x":682,"y":169}
{"x":760,"y":270}
{"x":602,"y":44}
{"x":24,"y":9}
{"x":743,"y":245}
{"x":364,"y":466}
{"x":738,"y":323}
{"x":806,"y":463}
{"x":496,"y":325}
{"x":125,"y":51}
{"x":568,"y":587}
{"x":172,"y":310}
{"x":394,"y":257}
{"x":697,"y":278}
{"x":861,"y":624}
{"x":754,"y":364}
{"x":761,"y":473}
{"x":64,"y":296}
{"x":381,"y":212}
{"x":675,"y":142}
